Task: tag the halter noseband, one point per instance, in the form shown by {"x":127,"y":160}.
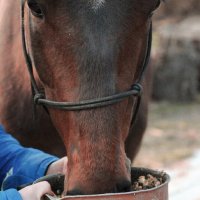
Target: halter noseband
{"x":39,"y":98}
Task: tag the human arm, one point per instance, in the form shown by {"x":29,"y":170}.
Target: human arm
{"x":19,"y":165}
{"x":11,"y":194}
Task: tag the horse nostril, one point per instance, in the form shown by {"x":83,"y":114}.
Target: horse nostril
{"x":124,"y":186}
{"x":74,"y":192}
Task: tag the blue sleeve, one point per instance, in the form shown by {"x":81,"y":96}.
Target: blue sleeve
{"x":19,"y":165}
{"x":10,"y":194}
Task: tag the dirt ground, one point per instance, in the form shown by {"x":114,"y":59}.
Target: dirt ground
{"x":172,"y":134}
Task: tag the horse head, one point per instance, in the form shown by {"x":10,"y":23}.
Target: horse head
{"x":83,"y":50}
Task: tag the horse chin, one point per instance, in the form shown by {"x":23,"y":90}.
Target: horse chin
{"x":124,"y":186}
{"x":88,"y":180}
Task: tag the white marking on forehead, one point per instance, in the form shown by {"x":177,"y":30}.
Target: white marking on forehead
{"x":97,"y":3}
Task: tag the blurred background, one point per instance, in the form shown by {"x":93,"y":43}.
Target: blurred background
{"x":172,"y":140}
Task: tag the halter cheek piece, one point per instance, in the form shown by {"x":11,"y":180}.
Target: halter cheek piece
{"x":39,"y":98}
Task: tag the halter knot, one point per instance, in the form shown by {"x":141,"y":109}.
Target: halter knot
{"x":37,"y":97}
{"x":138,"y":87}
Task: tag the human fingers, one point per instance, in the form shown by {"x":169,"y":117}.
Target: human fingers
{"x":36,"y":191}
{"x":59,"y":166}
{"x":43,"y":188}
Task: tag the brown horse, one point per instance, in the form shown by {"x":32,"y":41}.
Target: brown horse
{"x":80,"y":50}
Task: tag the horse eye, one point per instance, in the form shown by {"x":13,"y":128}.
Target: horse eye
{"x":35,"y":9}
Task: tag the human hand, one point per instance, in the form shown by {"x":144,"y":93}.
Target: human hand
{"x":57,"y":167}
{"x":36,"y":191}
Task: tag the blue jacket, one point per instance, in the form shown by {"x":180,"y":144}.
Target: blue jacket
{"x":19,"y":165}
